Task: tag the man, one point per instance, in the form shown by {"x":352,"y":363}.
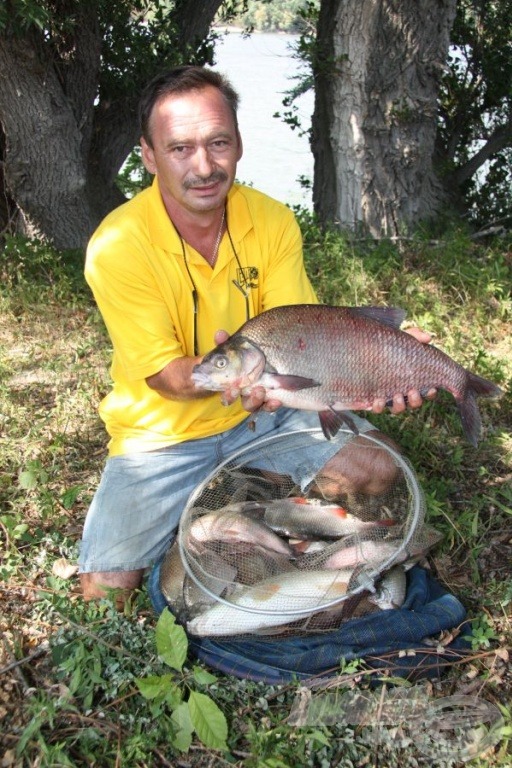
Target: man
{"x":193,"y":254}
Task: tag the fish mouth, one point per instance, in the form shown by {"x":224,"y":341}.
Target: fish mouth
{"x":202,"y":379}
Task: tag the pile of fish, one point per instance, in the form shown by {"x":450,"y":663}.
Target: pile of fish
{"x":285,"y":566}
{"x":335,"y":359}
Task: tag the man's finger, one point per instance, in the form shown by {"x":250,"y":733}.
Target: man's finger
{"x":220,"y":337}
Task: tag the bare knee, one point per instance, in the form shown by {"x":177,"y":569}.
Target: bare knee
{"x":360,"y":467}
{"x":99,"y":584}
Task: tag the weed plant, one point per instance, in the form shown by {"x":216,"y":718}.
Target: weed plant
{"x":84,"y":685}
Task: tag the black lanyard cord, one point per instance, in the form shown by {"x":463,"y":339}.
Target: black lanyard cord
{"x":195,"y":295}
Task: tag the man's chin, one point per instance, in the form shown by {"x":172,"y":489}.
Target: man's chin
{"x":208,"y":197}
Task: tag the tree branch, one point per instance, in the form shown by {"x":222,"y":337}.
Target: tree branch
{"x":498,"y":140}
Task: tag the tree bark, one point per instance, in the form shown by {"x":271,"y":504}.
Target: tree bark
{"x":67,"y":131}
{"x":44,"y":167}
{"x":377,"y":74}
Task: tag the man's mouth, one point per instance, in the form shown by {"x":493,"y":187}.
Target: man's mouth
{"x":206,"y":184}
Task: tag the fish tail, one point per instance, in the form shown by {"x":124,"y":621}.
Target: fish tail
{"x":468,"y":406}
{"x":470,"y":417}
{"x":483,"y":387}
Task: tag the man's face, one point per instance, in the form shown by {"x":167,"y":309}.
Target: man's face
{"x":195,"y":151}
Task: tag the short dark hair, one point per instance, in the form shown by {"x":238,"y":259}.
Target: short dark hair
{"x":182,"y":80}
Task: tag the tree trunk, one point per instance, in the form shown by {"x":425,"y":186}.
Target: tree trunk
{"x":65,"y":136}
{"x":44,"y":167}
{"x":377,"y":75}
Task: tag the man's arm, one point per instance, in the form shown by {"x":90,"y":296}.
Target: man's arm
{"x":175,"y":380}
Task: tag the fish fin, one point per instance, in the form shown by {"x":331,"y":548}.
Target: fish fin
{"x":386,"y":523}
{"x":483,"y":387}
{"x":331,"y":422}
{"x":468,"y":406}
{"x":470,"y":417}
{"x":392,"y":316}
{"x":292,"y":383}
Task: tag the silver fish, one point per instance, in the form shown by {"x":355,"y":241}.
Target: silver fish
{"x":301,"y":518}
{"x":182,"y":593}
{"x":251,"y":562}
{"x":272,"y":603}
{"x":391,"y":589}
{"x":363,"y":553}
{"x":334,"y":359}
{"x":229,"y":524}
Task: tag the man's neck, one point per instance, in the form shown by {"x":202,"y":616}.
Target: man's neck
{"x":200,"y":229}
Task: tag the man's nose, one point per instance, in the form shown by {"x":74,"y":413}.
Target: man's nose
{"x":203,"y":162}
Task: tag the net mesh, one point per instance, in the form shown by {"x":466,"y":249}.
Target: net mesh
{"x":257,"y":555}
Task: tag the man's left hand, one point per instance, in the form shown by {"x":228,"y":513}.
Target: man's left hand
{"x":412,"y":399}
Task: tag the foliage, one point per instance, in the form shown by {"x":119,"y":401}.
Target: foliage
{"x":139,"y":36}
{"x":476,"y":107}
{"x":198,"y":712}
{"x":84,"y":684}
{"x":474,"y":142}
{"x":28,"y":267}
{"x":271,"y":15}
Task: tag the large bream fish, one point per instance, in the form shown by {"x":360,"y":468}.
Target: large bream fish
{"x":335,"y":359}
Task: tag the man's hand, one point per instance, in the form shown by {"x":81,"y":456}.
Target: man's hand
{"x":412,"y":399}
{"x":255,"y":401}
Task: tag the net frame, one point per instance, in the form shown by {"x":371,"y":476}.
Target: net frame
{"x":366,"y":579}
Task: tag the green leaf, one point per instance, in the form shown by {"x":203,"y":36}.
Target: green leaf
{"x":69,"y":497}
{"x":171,"y":641}
{"x":203,"y":677}
{"x":208,"y":720}
{"x":28,"y":480}
{"x":320,"y":738}
{"x":184,"y":727}
{"x":174,"y":696}
{"x":19,"y":530}
{"x":154,"y":685}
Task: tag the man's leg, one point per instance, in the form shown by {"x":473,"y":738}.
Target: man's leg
{"x":135,"y":512}
{"x":97,"y":585}
{"x":360,"y":467}
{"x":346,"y":465}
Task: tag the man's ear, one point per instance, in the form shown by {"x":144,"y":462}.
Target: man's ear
{"x":240,"y":145}
{"x":148,"y":156}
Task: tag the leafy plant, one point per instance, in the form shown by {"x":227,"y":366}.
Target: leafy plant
{"x":191,"y":711}
{"x":482,"y":633}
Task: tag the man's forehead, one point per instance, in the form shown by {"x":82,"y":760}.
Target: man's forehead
{"x":193,"y":103}
{"x":205,"y":110}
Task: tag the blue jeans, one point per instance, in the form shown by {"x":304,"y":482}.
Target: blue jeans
{"x":141,"y":497}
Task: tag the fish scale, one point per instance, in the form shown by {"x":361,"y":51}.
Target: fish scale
{"x":334,"y":359}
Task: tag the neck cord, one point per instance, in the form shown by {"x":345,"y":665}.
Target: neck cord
{"x":195,"y":295}
{"x":217,"y":241}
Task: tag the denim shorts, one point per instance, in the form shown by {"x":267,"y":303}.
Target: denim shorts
{"x":138,"y":504}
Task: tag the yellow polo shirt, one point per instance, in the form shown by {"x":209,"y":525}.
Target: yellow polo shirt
{"x":136,"y":269}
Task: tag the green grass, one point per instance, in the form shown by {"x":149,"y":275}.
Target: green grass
{"x":69,"y":694}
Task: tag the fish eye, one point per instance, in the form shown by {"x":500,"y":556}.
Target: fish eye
{"x":221,"y":362}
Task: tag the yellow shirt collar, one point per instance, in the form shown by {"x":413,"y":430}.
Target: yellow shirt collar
{"x":163,"y":233}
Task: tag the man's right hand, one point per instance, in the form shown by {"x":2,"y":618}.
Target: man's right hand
{"x":255,"y":401}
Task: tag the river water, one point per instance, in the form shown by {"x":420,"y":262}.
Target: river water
{"x":261,"y":68}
